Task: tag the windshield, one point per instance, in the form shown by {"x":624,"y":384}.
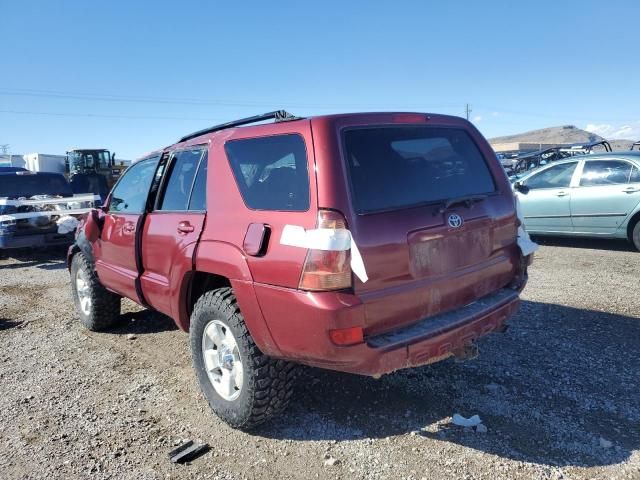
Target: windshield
{"x":18,"y":186}
{"x":89,"y":160}
{"x":392,"y":167}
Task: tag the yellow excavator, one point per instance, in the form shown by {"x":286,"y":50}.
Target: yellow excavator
{"x":92,"y":170}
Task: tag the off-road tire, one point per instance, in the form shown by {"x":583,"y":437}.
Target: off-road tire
{"x":105,"y":305}
{"x":267,"y":383}
{"x":635,"y":235}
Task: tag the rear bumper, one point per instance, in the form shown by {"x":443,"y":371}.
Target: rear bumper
{"x":299,"y":323}
{"x":36,"y":240}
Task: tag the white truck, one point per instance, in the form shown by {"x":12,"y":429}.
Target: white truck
{"x":44,"y":162}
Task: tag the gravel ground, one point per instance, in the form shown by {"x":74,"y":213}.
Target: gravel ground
{"x":557,"y":393}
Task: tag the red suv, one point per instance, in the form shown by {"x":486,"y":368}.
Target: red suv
{"x":364,"y":243}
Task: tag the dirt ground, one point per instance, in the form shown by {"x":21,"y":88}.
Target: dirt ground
{"x":558,"y":392}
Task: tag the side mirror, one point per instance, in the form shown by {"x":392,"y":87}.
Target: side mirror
{"x":521,"y":187}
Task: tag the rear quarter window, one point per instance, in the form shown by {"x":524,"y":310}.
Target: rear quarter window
{"x":393,"y":167}
{"x":271,"y":172}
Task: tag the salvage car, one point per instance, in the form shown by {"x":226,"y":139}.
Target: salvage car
{"x":363,"y":243}
{"x":38,"y":209}
{"x":587,"y":196}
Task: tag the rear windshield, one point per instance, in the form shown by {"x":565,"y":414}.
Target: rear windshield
{"x":17,"y":186}
{"x":394,"y":167}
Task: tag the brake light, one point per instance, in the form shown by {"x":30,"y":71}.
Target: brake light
{"x":327,"y":269}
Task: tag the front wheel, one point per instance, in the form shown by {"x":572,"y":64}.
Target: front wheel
{"x":97,"y":307}
{"x":243,"y":386}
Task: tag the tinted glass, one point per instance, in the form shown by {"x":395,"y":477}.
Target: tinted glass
{"x":271,"y":172}
{"x":601,"y":172}
{"x":558,"y":176}
{"x":130,"y":194}
{"x":18,"y":186}
{"x":395,"y":167}
{"x":635,"y":175}
{"x":198,"y":200}
{"x":183,"y":170}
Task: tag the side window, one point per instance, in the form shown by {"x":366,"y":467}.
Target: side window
{"x":271,"y":172}
{"x":198,"y":201}
{"x":130,"y":194}
{"x":635,"y":175}
{"x":558,"y":176}
{"x":181,"y":174}
{"x":605,"y":172}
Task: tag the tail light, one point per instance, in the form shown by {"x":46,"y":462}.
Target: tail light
{"x":327,"y":269}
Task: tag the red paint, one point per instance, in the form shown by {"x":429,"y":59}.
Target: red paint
{"x":417,"y":266}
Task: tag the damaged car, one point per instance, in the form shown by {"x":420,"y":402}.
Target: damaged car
{"x":362,"y":243}
{"x":39,"y":209}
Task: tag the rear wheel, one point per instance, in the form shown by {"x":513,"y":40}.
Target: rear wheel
{"x":635,"y":235}
{"x":97,"y":307}
{"x":243,"y":386}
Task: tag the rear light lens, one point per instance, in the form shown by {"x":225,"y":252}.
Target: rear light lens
{"x":327,"y":269}
{"x":347,"y":336}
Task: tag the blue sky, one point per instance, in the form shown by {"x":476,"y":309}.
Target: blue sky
{"x":133,"y":76}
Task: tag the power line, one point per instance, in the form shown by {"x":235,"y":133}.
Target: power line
{"x":99,"y":115}
{"x":185,"y":101}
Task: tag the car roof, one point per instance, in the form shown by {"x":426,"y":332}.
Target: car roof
{"x":632,"y":155}
{"x":604,"y":156}
{"x":374,"y":116}
{"x":27,"y":173}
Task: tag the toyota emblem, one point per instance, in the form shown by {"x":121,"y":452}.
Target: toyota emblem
{"x":454,"y":220}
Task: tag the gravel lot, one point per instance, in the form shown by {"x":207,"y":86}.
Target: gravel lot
{"x":558,"y":392}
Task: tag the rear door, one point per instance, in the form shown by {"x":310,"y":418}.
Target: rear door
{"x":172,"y":229}
{"x":607,"y":193}
{"x":546,"y":207}
{"x":433,"y":219}
{"x":115,"y":253}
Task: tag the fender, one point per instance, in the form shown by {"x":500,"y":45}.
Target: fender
{"x":81,"y":245}
{"x":226,"y":260}
{"x":223,"y":259}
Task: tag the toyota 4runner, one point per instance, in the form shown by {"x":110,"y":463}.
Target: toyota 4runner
{"x":364,"y":243}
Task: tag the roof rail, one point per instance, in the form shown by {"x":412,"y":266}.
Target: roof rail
{"x":277,"y":115}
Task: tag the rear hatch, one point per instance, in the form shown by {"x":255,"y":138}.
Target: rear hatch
{"x":432,"y":216}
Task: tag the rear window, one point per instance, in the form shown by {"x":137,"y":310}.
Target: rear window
{"x":271,"y":172}
{"x":404,"y":166}
{"x":17,"y":186}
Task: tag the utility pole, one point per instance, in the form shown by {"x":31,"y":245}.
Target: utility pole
{"x":5,"y":148}
{"x":468,"y":111}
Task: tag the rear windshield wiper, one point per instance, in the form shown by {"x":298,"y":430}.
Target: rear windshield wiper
{"x":467,"y":200}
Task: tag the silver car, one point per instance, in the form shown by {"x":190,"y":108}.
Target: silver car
{"x":587,"y":195}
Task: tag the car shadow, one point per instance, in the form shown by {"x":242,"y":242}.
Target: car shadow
{"x":143,"y":322}
{"x":613,"y":244}
{"x":548,"y":390}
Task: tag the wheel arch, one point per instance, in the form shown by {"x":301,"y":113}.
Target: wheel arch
{"x":219,"y":265}
{"x":632,"y":223}
{"x":635,"y":218}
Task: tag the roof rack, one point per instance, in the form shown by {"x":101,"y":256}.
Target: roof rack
{"x":278,"y":116}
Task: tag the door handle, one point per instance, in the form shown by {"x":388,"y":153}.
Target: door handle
{"x":128,"y":227}
{"x":561,"y":194}
{"x":185,"y":227}
{"x":630,"y":190}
